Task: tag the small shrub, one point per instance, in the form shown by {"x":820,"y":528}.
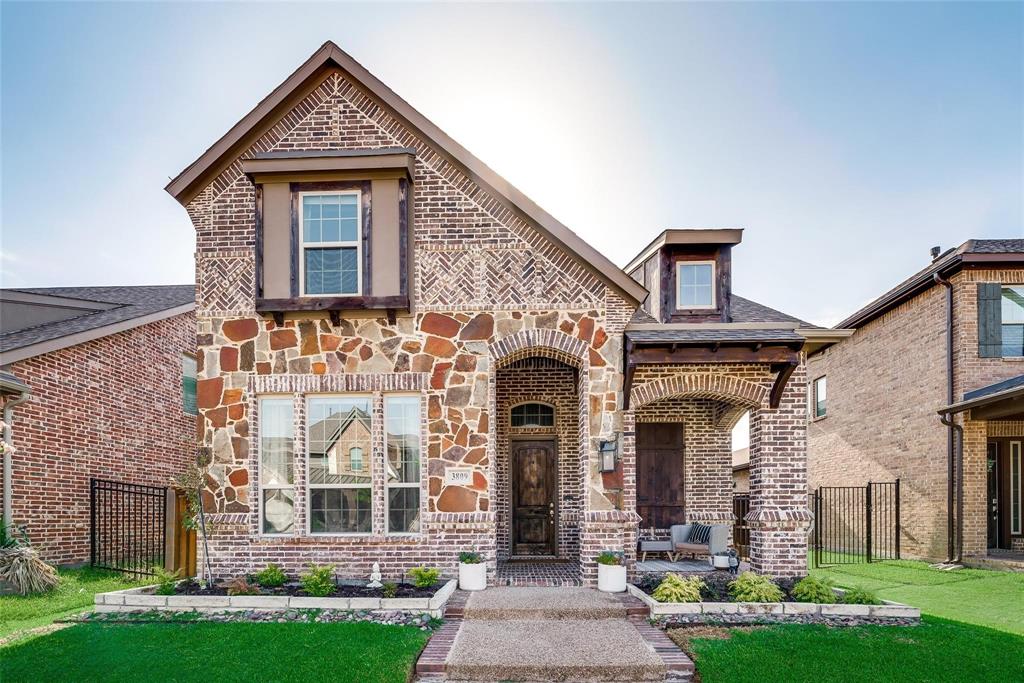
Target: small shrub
{"x":390,"y":589}
{"x":424,"y":577}
{"x":611,"y":557}
{"x":21,"y":566}
{"x":165,"y":580}
{"x":676,"y":588}
{"x":467,"y":557}
{"x":814,"y":589}
{"x":271,"y":576}
{"x":318,"y":581}
{"x":751,"y":587}
{"x":241,"y":586}
{"x":859,"y":596}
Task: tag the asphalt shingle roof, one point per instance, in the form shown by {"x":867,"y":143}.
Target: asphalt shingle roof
{"x":130,"y":303}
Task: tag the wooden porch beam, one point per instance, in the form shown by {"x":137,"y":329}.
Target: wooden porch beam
{"x":785,"y":371}
{"x":703,"y":354}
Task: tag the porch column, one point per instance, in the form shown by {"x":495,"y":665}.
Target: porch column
{"x":779,"y":517}
{"x":975,"y":487}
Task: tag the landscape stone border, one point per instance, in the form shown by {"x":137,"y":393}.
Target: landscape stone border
{"x":777,"y":612}
{"x":136,"y":599}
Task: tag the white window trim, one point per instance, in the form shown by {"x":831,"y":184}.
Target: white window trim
{"x":259,"y":463}
{"x":358,"y":243}
{"x":418,"y":484}
{"x":1016,"y":455}
{"x":679,"y":286}
{"x":310,"y":487}
{"x":814,"y":398}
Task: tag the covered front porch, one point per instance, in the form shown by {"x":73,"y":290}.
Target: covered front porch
{"x":685,"y":394}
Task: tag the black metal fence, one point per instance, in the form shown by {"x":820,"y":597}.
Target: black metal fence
{"x":128,"y":526}
{"x":740,"y":530}
{"x":857,"y":524}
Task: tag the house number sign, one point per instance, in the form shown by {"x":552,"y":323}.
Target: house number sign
{"x":458,"y":475}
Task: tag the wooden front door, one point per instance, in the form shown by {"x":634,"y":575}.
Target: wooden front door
{"x":660,"y":490}
{"x":534,"y":487}
{"x":992,"y":501}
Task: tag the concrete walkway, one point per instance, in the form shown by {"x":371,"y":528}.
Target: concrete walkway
{"x":551,"y":634}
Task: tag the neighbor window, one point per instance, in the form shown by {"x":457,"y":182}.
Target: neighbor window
{"x":820,"y":395}
{"x":1016,"y":494}
{"x":277,"y":477}
{"x":339,"y":496}
{"x":188,"y":385}
{"x":695,"y":284}
{"x":331,"y":232}
{"x":533,"y":415}
{"x":1012,"y":314}
{"x":402,"y":441}
{"x":355,"y":459}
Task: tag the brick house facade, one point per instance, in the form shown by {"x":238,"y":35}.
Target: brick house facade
{"x":887,"y":382}
{"x":105,"y":401}
{"x":461,"y":293}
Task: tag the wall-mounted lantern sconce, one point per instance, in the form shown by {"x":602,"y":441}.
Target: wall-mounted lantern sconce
{"x":609,"y":451}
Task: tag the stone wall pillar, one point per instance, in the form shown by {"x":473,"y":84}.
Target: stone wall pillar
{"x":779,"y":517}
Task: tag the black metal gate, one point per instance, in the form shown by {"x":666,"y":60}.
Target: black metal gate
{"x":740,"y":530}
{"x":128,"y":526}
{"x":857,"y":524}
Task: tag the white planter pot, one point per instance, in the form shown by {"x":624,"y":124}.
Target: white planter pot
{"x":472,"y":577}
{"x":720,"y":561}
{"x":611,"y":578}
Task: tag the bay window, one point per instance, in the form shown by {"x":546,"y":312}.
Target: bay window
{"x":277,"y":472}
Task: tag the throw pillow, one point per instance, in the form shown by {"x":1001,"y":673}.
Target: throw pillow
{"x":699,"y":534}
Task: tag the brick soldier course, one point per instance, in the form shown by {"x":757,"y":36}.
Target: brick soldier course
{"x":504,"y":306}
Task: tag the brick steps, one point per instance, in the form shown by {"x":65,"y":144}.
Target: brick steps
{"x":545,"y":634}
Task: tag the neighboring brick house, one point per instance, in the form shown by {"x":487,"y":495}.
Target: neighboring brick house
{"x":876,"y":397}
{"x":103,"y":370}
{"x":352,"y":256}
{"x":741,"y":470}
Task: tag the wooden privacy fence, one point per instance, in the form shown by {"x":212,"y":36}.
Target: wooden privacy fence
{"x":856,"y":524}
{"x":136,"y":527}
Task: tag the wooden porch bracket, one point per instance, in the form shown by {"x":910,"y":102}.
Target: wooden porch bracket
{"x":630,"y":368}
{"x":785,"y":371}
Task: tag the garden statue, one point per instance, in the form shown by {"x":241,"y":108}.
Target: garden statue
{"x":375,"y":577}
{"x":734,"y":562}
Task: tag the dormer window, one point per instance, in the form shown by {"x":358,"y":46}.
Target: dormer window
{"x":330,"y":234}
{"x":695,"y":284}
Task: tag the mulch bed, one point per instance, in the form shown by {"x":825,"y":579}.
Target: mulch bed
{"x":342,"y":590}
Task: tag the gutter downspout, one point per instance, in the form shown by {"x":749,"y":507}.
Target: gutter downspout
{"x":8,"y":460}
{"x":951,"y":534}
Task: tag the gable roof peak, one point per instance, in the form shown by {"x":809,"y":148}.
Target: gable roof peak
{"x":191,"y":181}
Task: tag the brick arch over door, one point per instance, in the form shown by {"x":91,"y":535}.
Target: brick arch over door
{"x":739,"y":393}
{"x":545,"y":343}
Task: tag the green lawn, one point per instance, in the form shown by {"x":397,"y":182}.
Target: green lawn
{"x":208,"y":651}
{"x":937,"y":650}
{"x":976,"y":596}
{"x":74,"y":594}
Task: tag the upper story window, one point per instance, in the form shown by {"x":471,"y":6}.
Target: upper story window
{"x":533,"y":415}
{"x":1012,"y":327}
{"x":330,"y":234}
{"x":695,"y":282}
{"x":820,"y":394}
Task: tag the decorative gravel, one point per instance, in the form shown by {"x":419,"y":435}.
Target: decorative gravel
{"x":422,"y":621}
{"x":679,"y":620}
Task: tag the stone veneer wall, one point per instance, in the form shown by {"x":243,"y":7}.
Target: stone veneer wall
{"x":488,"y":289}
{"x":886,"y":384}
{"x":712,"y":397}
{"x":110,"y":408}
{"x":547,"y":381}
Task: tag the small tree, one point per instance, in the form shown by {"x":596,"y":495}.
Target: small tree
{"x":191,"y":482}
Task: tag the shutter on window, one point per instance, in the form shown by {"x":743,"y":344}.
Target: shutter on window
{"x":990,"y":342}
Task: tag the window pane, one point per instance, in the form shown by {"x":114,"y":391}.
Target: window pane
{"x":355,"y":458}
{"x":533,"y":415}
{"x":402,"y":429}
{"x":276,"y":442}
{"x":1013,"y":304}
{"x":695,"y":285}
{"x":1012,"y":340}
{"x":336,"y":427}
{"x":332,"y":271}
{"x":278,"y":511}
{"x":188,"y":385}
{"x":820,"y":395}
{"x":404,"y":510}
{"x":330,"y":218}
{"x":340,"y":511}
{"x":1015,"y":486}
